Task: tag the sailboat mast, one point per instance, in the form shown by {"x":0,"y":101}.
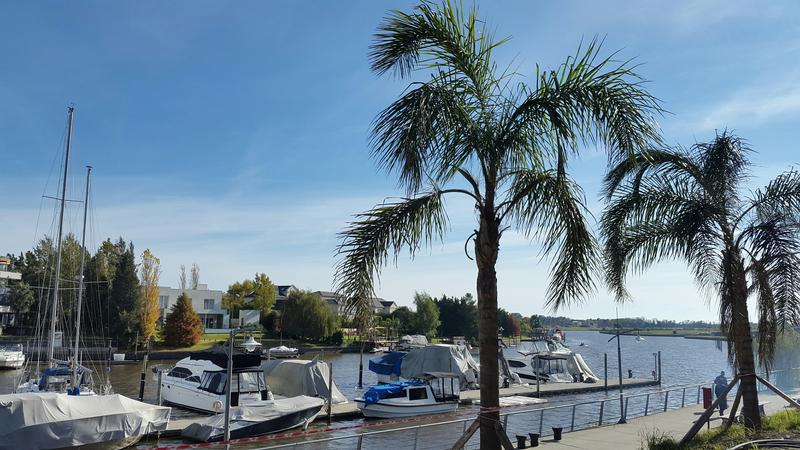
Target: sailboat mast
{"x":54,"y":310}
{"x":75,"y":380}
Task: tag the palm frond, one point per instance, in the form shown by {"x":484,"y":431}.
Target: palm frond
{"x":781,"y":197}
{"x":594,"y":99}
{"x":550,"y":205}
{"x":672,"y":163}
{"x":724,"y":163}
{"x":386,"y":229}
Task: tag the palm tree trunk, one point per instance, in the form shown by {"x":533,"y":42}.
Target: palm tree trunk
{"x":743,"y":348}
{"x":486,"y":248}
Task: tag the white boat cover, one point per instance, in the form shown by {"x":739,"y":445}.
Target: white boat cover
{"x":417,"y":340}
{"x":441,"y":358}
{"x":293,"y":377}
{"x":241,"y":416}
{"x":52,"y":420}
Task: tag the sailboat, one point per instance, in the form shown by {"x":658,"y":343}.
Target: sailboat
{"x":55,"y":411}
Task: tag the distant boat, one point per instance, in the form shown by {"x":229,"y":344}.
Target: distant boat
{"x":639,"y":338}
{"x":282,"y":351}
{"x":11,"y":358}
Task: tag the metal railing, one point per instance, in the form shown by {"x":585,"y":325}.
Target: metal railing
{"x":570,"y":417}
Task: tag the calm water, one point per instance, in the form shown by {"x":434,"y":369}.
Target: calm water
{"x":684,"y":361}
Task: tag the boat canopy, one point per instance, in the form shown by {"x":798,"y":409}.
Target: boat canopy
{"x":441,"y":358}
{"x":381,"y":391}
{"x":387,"y":364}
{"x":37,"y":420}
{"x":62,"y":372}
{"x":219,"y":357}
{"x":293,"y":377}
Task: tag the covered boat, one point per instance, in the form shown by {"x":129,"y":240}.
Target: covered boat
{"x":282,"y":351}
{"x":254,"y":420}
{"x":294,"y":377}
{"x":548,"y":360}
{"x":39,"y":421}
{"x":432,"y":393}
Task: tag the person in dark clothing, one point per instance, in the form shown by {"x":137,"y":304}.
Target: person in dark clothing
{"x":720,"y":383}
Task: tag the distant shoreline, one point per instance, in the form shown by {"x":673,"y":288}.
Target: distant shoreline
{"x":688,"y":333}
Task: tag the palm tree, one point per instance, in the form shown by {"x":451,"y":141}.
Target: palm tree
{"x":470,"y":129}
{"x":691,"y":205}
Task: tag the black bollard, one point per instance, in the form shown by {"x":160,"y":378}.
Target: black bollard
{"x":534,"y":439}
{"x":557,"y":433}
{"x":521,"y":441}
{"x":630,"y":373}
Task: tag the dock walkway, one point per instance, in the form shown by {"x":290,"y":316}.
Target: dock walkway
{"x":345,"y":411}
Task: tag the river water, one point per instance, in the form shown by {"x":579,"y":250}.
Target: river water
{"x":684,"y":362}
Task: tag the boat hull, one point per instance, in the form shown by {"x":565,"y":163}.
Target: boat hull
{"x":386,"y":411}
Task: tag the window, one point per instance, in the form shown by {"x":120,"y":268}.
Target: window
{"x":417,"y":393}
{"x":193,"y":379}
{"x":208,"y":303}
{"x":163,"y":300}
{"x":179,"y":372}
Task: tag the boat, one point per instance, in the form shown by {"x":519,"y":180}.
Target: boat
{"x":639,"y":338}
{"x":547,"y":359}
{"x":282,"y":351}
{"x":396,"y":366}
{"x":267,"y":417}
{"x":250,"y":345}
{"x":432,"y":393}
{"x":12,"y":357}
{"x":295,"y":377}
{"x":409,"y":342}
{"x":198,"y":381}
{"x":44,"y":421}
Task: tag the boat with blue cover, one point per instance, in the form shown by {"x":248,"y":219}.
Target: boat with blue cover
{"x":432,"y":393}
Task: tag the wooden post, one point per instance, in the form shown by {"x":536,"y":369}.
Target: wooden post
{"x":462,"y":441}
{"x":779,"y":392}
{"x":605,"y":370}
{"x":536,"y":371}
{"x":160,"y":373}
{"x":659,"y":367}
{"x":734,"y":407}
{"x":707,"y":414}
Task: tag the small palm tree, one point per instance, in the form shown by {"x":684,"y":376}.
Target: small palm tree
{"x":691,"y":205}
{"x":470,"y":129}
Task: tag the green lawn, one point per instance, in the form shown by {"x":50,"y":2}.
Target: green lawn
{"x":776,"y":426}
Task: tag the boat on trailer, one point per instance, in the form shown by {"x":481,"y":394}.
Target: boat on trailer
{"x":433,"y":393}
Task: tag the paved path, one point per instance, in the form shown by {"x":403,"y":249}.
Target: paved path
{"x":630,"y":436}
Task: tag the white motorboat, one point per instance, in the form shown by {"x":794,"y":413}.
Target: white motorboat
{"x":254,"y":420}
{"x":282,"y":351}
{"x":12,"y":357}
{"x":198,"y":382}
{"x":548,"y":360}
{"x":434,"y":393}
{"x":250,"y":345}
{"x":44,"y":421}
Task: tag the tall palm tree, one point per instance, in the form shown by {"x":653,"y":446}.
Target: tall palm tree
{"x":692,"y":205}
{"x":470,"y":129}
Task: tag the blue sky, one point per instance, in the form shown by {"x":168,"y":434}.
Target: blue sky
{"x":234,"y":134}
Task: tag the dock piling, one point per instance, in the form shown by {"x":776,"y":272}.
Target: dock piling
{"x":605,"y":370}
{"x":330,"y":391}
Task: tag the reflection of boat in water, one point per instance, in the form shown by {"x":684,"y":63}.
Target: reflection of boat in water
{"x":432,"y":393}
{"x":254,"y":420}
{"x":548,"y":360}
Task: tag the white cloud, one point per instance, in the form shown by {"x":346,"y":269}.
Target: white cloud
{"x":755,"y":106}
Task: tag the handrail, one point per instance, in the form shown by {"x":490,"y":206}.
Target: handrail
{"x":599,"y":420}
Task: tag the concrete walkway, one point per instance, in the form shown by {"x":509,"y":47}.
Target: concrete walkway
{"x":630,"y":436}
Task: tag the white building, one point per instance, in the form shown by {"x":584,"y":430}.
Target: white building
{"x":7,"y":315}
{"x":207,"y":304}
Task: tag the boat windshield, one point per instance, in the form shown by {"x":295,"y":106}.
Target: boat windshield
{"x":243,"y":382}
{"x":533,"y":347}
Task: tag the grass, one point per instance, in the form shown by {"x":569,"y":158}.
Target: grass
{"x":777,"y":425}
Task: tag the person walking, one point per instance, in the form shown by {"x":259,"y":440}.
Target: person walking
{"x":720,"y":383}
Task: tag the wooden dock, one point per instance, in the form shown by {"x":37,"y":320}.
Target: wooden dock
{"x":345,"y":411}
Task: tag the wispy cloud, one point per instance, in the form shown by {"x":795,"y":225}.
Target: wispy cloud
{"x":755,"y":106}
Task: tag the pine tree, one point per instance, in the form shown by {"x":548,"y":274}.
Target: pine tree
{"x":124,"y":320}
{"x":183,"y":327}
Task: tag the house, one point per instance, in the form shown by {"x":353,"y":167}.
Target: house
{"x":388,"y":306}
{"x":7,"y":315}
{"x":207,"y":304}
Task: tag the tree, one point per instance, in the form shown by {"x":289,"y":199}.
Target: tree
{"x":149,"y":274}
{"x":182,"y":279}
{"x":195,"y":276}
{"x":306,"y":315}
{"x":22,"y":300}
{"x":468,"y":128}
{"x":458,"y":316}
{"x":182,"y":327}
{"x":427,"y":315}
{"x":260,"y":291}
{"x":405,"y":319}
{"x":124,"y":299}
{"x":691,"y":205}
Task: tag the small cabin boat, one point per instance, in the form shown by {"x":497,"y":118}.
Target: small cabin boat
{"x":433,"y":393}
{"x":11,"y":358}
{"x":282,"y":351}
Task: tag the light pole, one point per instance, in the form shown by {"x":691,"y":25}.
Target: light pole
{"x":619,"y":368}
